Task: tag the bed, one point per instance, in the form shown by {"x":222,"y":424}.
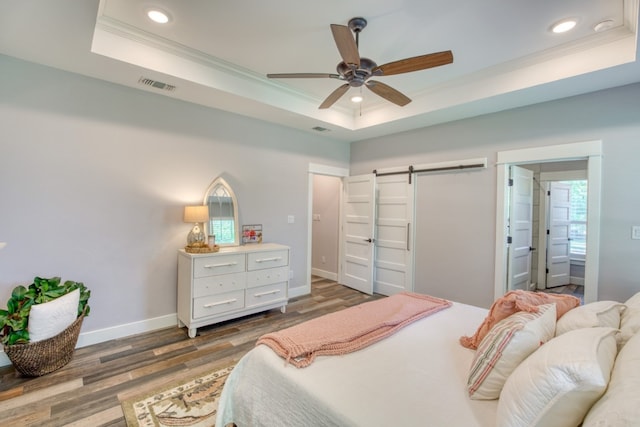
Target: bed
{"x":415,"y":377}
{"x":357,"y":389}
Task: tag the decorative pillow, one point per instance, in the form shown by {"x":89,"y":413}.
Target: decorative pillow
{"x":600,"y":313}
{"x":506,"y":345}
{"x":50,"y":318}
{"x":515,"y":301}
{"x":557,"y":385}
{"x":619,"y":406}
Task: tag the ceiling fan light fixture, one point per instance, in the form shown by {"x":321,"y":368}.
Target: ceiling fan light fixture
{"x":356,"y":99}
{"x":158,"y":16}
{"x":564,"y":25}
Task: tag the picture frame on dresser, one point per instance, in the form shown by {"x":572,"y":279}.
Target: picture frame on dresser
{"x":233,"y":282}
{"x":252,"y":233}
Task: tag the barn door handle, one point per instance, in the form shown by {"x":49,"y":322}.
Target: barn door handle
{"x":408,"y":235}
{"x":531,"y":249}
{"x":370,"y":240}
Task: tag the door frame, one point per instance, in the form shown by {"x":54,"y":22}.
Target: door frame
{"x":589,"y":150}
{"x":318,"y":169}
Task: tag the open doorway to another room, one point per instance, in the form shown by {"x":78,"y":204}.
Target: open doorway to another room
{"x":559,"y":229}
{"x":325,"y":189}
{"x":325,"y":227}
{"x":551,"y":156}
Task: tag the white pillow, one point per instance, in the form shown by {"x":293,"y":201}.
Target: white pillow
{"x":507,"y":344}
{"x":599,"y":313}
{"x":630,"y":319}
{"x":50,"y":318}
{"x":634,"y":301}
{"x":558,"y":383}
{"x":619,"y":406}
{"x":629,"y":324}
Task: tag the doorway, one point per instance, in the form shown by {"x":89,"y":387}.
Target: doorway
{"x":590,"y":152}
{"x":325,"y":226}
{"x":563,"y":212}
{"x":559,"y":210}
{"x":313,"y":171}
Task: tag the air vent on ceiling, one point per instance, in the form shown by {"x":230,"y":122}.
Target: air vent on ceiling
{"x":320,"y":129}
{"x":156,"y":84}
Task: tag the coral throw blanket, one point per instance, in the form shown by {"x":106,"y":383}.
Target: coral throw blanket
{"x":350,"y":329}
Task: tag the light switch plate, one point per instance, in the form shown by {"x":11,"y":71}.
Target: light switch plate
{"x":635,"y":232}
{"x":291,"y":219}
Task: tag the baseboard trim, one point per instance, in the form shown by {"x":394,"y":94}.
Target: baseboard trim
{"x":299,"y":291}
{"x":115,"y":332}
{"x":325,"y":274}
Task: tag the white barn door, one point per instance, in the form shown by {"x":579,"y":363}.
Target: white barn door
{"x":520,"y":223}
{"x":358,"y":220}
{"x":393,"y":271}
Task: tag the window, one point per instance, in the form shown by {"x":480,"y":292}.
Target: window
{"x":578,"y":219}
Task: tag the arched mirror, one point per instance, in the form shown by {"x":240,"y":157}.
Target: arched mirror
{"x":223,"y":213}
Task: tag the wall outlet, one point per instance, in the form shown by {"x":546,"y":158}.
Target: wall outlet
{"x":324,"y":259}
{"x":316,"y":217}
{"x":290,"y":274}
{"x":635,"y":232}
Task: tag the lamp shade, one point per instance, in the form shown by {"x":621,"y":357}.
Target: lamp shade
{"x":195,"y":214}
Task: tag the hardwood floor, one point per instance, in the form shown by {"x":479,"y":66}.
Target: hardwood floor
{"x":575,"y":290}
{"x":88,"y":391}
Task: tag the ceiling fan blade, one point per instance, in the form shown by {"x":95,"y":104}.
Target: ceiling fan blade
{"x":388,"y":93}
{"x":335,"y":95}
{"x":415,"y":64}
{"x":346,"y":44}
{"x":303,"y":76}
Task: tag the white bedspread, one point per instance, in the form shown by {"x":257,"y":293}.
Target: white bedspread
{"x":416,"y":377}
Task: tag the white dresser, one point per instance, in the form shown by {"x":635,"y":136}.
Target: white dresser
{"x":233,"y":282}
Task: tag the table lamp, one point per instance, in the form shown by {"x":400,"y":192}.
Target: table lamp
{"x":196,"y":215}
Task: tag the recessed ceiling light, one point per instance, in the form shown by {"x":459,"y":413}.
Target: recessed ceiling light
{"x":356,"y":98}
{"x":564,"y":25}
{"x":604,"y":25}
{"x":158,"y":16}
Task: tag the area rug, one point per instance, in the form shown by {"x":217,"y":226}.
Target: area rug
{"x":191,"y":402}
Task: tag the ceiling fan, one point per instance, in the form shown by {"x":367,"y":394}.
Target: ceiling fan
{"x":356,"y":70}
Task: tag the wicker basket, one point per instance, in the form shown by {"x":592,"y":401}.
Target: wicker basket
{"x":38,"y":358}
{"x":201,"y":250}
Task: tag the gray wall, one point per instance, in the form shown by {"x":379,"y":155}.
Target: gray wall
{"x":455,"y":244}
{"x":94,"y":178}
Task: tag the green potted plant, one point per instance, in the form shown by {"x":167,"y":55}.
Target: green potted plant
{"x":46,"y":355}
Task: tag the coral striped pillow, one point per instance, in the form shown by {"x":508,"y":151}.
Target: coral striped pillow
{"x":514,"y":301}
{"x":506,"y":345}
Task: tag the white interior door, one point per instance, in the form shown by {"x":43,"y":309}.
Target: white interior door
{"x":393,"y":269}
{"x":558,"y":260}
{"x":520,"y":224}
{"x":358,"y":215}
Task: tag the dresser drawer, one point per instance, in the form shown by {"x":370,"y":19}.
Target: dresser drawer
{"x":266,"y":294}
{"x":267,"y":276}
{"x":217,"y":304}
{"x":212,"y":285}
{"x":270,"y":259}
{"x":218,"y":264}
